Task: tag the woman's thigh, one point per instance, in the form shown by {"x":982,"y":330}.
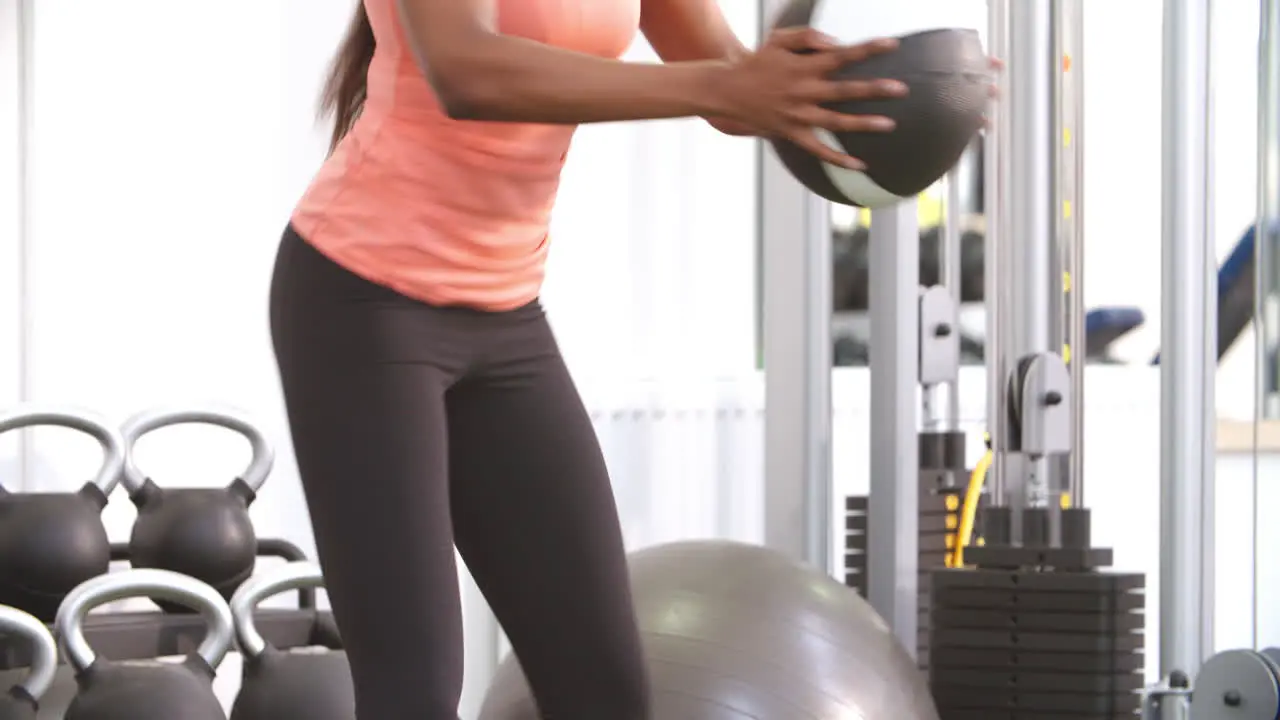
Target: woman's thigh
{"x":365,"y":402}
{"x":534,"y":519}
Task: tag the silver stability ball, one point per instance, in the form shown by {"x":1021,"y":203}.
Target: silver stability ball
{"x":739,"y":632}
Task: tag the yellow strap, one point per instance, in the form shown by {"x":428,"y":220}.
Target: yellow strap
{"x":969,"y":512}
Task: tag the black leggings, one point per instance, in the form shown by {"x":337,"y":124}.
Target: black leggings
{"x":419,"y":427}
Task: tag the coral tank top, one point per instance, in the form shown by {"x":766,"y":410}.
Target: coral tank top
{"x":446,"y":211}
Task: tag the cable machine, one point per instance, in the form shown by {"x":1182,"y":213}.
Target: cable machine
{"x":1030,"y":621}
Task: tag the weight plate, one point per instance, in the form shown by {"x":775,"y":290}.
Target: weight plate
{"x":1023,"y":581}
{"x":1021,"y":620}
{"x":1006,"y":714}
{"x":1029,"y":661}
{"x":1060,"y":702}
{"x":1105,"y":602}
{"x":1049,"y":642}
{"x":1030,"y":681}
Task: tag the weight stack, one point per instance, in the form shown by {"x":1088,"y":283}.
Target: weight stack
{"x":855,"y":543}
{"x":1013,"y":643}
{"x":942,"y":482}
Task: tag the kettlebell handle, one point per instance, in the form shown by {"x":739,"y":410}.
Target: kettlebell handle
{"x":263,"y":456}
{"x":44,"y":651}
{"x":86,"y":421}
{"x":142,"y":582}
{"x":287,"y":577}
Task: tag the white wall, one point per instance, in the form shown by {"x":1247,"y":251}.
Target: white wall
{"x":163,"y":164}
{"x":11,"y":176}
{"x":652,"y":270}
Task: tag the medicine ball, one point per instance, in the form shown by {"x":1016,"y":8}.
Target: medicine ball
{"x":941,"y":60}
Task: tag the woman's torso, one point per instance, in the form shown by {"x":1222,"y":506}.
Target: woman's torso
{"x":446,"y":211}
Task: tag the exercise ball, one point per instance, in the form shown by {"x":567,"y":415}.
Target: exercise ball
{"x":941,"y":60}
{"x":738,"y":632}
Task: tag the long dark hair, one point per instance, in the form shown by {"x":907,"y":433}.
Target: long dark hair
{"x":347,"y":86}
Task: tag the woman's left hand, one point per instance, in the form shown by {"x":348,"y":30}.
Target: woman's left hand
{"x":729,"y":127}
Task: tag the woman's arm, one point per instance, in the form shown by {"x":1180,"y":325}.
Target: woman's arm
{"x":691,"y":30}
{"x":479,"y":74}
{"x":779,"y":90}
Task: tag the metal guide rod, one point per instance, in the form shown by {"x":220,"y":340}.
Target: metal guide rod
{"x":1071,"y":213}
{"x":1188,"y":333}
{"x":795,"y":270}
{"x":893,"y":505}
{"x":1032,"y":71}
{"x":996,"y":204}
{"x":26,"y":47}
{"x":949,"y":249}
{"x":1267,"y":278}
{"x":1059,"y":321}
{"x":1267,"y":262}
{"x":796,"y":332}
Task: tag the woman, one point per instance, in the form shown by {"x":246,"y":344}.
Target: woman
{"x":428,"y":403}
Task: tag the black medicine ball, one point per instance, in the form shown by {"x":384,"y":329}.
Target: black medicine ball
{"x":940,"y":58}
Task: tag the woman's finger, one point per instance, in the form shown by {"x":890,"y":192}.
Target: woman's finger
{"x":841,"y":122}
{"x":864,"y":50}
{"x":843,"y":90}
{"x":808,"y":140}
{"x":801,"y":39}
{"x":838,"y":57}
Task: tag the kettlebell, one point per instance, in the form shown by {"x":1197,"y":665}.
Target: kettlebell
{"x":202,"y":532}
{"x":144,"y":689}
{"x":312,"y":683}
{"x":51,"y":542}
{"x":22,"y":701}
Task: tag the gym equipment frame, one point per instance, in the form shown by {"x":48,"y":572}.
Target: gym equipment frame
{"x":1038,"y":570}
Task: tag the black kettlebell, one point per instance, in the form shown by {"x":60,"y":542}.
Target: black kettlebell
{"x":22,"y":701}
{"x":144,"y":689}
{"x":311,"y":683}
{"x":202,"y":532}
{"x":51,"y":542}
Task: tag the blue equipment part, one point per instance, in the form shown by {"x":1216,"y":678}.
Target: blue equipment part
{"x":1105,"y":325}
{"x":1235,"y":293}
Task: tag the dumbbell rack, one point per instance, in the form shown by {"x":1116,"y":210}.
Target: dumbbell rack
{"x":943,"y":476}
{"x":139,"y":635}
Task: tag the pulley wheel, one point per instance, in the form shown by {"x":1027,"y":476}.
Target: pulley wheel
{"x":1237,"y":685}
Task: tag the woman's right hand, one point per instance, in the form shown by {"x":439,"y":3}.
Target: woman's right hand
{"x":781,"y":90}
